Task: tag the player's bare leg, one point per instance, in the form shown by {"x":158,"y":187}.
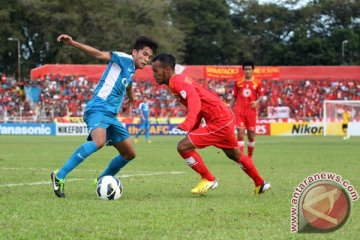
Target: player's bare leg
{"x":187,"y":150}
{"x":126,"y":154}
{"x":126,"y":149}
{"x":249,"y":168}
{"x":98,"y":136}
{"x":251,"y":142}
{"x":240,"y":138}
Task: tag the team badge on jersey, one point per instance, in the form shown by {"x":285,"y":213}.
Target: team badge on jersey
{"x":246,"y":92}
{"x":183,"y":94}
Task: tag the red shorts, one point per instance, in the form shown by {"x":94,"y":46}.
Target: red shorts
{"x":220,"y":136}
{"x":246,"y":122}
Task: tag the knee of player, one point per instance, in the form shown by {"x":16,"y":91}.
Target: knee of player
{"x":180,"y":147}
{"x":251,"y":138}
{"x":99,"y":144}
{"x":129,"y":156}
{"x":234,"y":155}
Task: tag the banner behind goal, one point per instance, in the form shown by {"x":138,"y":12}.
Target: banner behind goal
{"x":332,"y":117}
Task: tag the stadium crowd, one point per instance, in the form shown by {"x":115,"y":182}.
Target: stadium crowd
{"x":59,"y":96}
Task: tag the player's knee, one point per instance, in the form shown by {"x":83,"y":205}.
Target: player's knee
{"x":181,"y":147}
{"x":99,"y":143}
{"x":129,"y":156}
{"x":235,"y":155}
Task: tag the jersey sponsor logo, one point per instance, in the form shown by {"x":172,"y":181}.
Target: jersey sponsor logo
{"x":125,"y":82}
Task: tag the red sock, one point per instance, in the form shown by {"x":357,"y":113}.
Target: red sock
{"x":250,"y":169}
{"x":194,"y":160}
{"x":251,"y":147}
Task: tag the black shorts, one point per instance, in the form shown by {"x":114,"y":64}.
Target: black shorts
{"x":344,"y":126}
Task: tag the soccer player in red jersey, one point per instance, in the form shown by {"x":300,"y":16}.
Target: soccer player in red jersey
{"x":219,"y":129}
{"x":248,"y":93}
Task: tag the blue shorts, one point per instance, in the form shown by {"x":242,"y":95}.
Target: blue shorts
{"x":115,"y":130}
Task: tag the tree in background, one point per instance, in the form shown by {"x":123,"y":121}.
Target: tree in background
{"x":210,"y":37}
{"x":292,"y":34}
{"x":108,"y":25}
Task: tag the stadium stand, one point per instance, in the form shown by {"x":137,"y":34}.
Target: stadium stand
{"x":54,"y":95}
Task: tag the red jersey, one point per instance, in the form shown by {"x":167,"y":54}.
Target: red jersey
{"x":200,"y":101}
{"x":245,"y":92}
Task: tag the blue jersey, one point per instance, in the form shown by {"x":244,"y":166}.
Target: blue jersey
{"x":144,"y":108}
{"x":109,"y":94}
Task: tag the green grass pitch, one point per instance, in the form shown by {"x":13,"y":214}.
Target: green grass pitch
{"x":157,"y":203}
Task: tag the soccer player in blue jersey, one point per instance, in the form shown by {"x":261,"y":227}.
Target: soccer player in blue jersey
{"x":144,"y":124}
{"x":101,"y":111}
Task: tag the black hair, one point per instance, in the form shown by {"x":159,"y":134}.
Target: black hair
{"x":143,"y":41}
{"x":166,"y":60}
{"x":248,"y":63}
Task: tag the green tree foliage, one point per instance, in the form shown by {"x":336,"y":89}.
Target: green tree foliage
{"x":106,"y":25}
{"x":287,"y":34}
{"x":209,"y":34}
{"x":9,"y":27}
{"x":263,"y":29}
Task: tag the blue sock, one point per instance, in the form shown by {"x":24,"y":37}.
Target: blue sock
{"x":138,"y":134}
{"x":78,"y":156}
{"x":114,"y":166}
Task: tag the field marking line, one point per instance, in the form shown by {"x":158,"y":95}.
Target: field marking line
{"x":84,"y":179}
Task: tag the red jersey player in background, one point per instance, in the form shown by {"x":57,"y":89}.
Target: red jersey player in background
{"x":219,"y":129}
{"x":248,"y":93}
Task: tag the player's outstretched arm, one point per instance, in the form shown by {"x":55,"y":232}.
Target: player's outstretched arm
{"x":106,"y":56}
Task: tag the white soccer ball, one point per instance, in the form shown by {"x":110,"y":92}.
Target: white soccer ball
{"x":109,"y":188}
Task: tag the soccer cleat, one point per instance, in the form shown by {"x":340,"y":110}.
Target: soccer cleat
{"x":262,"y":188}
{"x":204,"y":185}
{"x":136,"y":140}
{"x":148,"y":141}
{"x":58,"y":185}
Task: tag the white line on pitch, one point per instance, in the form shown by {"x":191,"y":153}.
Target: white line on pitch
{"x":83,"y":179}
